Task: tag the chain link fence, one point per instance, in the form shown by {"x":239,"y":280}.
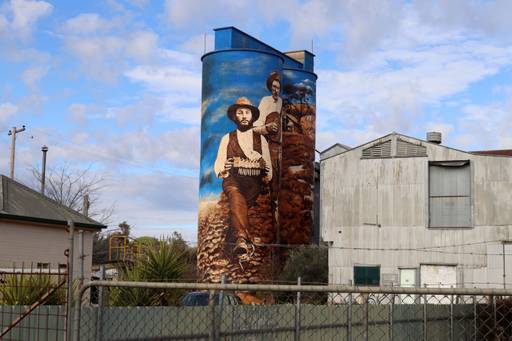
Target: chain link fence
{"x":33,"y":301}
{"x":195,"y":311}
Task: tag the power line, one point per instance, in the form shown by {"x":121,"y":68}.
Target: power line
{"x":58,"y":137}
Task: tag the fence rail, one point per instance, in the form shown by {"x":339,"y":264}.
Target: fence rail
{"x":293,"y":312}
{"x":32,"y":301}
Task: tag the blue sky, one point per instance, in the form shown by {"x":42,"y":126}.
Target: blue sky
{"x":115,"y":86}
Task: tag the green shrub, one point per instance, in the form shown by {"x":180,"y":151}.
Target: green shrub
{"x":163,"y":263}
{"x":22,"y":289}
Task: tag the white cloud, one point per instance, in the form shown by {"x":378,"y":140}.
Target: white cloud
{"x":415,"y":68}
{"x":106,"y":47}
{"x":199,"y":44}
{"x":78,"y":113}
{"x":33,"y":74}
{"x":23,"y":16}
{"x":87,"y":23}
{"x":166,"y":78}
{"x":7,"y":110}
{"x":142,"y":45}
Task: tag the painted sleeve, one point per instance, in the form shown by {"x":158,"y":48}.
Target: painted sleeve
{"x":266,"y":156}
{"x":221,"y":156}
{"x":261,"y":120}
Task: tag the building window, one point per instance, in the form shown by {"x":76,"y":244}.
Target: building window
{"x":367,"y":275}
{"x":43,"y":266}
{"x":450,"y":194}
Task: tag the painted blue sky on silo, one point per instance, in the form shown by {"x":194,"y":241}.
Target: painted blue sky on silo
{"x":227,"y":76}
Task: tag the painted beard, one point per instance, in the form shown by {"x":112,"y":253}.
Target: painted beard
{"x":243,"y":128}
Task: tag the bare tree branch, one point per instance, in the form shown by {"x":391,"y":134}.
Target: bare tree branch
{"x":68,"y":186}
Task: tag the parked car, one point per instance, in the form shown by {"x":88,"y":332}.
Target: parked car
{"x":200,"y":298}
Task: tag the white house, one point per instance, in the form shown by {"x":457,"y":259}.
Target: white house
{"x":404,"y":211}
{"x":33,"y":231}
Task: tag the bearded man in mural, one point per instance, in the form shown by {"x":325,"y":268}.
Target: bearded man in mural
{"x":269,"y":123}
{"x":244,"y":163}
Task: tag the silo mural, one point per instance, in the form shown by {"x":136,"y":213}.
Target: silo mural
{"x":254,"y":108}
{"x":298,"y":150}
{"x":239,"y":164}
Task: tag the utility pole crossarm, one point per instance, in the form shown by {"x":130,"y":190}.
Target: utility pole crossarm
{"x":13,"y":133}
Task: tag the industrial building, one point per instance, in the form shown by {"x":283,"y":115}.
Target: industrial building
{"x":408,"y":212}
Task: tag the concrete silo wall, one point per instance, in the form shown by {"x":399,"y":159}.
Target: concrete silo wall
{"x":239,"y":167}
{"x":257,"y":157}
{"x":298,"y":156}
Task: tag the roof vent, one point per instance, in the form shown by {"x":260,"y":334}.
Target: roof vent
{"x":434,"y":137}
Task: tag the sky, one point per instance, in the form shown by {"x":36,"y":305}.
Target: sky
{"x":115,"y":86}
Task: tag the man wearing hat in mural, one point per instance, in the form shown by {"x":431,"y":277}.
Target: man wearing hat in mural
{"x":269,"y":105}
{"x":243,"y":162}
{"x":269,"y":123}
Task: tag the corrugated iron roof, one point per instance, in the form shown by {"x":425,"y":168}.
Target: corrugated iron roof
{"x":499,"y":152}
{"x":19,"y":202}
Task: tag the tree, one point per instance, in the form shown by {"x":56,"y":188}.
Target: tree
{"x":309,"y":263}
{"x":125,"y":228}
{"x":68,"y":186}
{"x":100,"y":248}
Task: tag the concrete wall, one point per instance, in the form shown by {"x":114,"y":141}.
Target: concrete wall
{"x":32,"y":243}
{"x":383,"y":204}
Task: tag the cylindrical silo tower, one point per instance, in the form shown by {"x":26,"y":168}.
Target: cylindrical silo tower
{"x":257,"y":103}
{"x":298,"y":156}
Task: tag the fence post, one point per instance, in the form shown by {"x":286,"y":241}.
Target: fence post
{"x":451,"y":318}
{"x":425,"y":317}
{"x":99,"y":314}
{"x":211,"y":303}
{"x":495,"y":326}
{"x":349,"y":318}
{"x":365,"y":318}
{"x":218,"y":316}
{"x":474,"y":318}
{"x":69,"y":298}
{"x":297,"y":313}
{"x":391,"y":306}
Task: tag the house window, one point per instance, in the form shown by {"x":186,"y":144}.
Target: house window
{"x":43,"y":266}
{"x":367,"y":275}
{"x":450,"y":194}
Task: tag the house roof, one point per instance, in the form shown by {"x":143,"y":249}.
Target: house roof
{"x":334,"y":146}
{"x":19,"y":202}
{"x":503,"y":152}
{"x":499,"y":152}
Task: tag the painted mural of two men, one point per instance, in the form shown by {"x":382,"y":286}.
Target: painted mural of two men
{"x":249,"y":156}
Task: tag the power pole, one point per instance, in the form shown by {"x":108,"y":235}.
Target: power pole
{"x":44,"y":149}
{"x":13,"y":133}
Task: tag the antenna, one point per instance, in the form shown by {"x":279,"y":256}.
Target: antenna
{"x":204,"y":44}
{"x":312,"y":47}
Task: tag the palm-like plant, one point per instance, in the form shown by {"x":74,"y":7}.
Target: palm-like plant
{"x":166,"y":262}
{"x":23,"y":289}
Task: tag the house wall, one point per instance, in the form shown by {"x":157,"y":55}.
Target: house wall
{"x":32,"y":243}
{"x":383,"y":204}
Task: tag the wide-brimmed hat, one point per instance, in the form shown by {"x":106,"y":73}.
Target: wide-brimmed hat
{"x":243,"y":102}
{"x":274,"y":76}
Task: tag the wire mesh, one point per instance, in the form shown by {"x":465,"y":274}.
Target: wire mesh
{"x":186,"y":311}
{"x":32,"y":302}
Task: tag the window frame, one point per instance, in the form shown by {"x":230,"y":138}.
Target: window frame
{"x":471,"y":194}
{"x":366,"y":266}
